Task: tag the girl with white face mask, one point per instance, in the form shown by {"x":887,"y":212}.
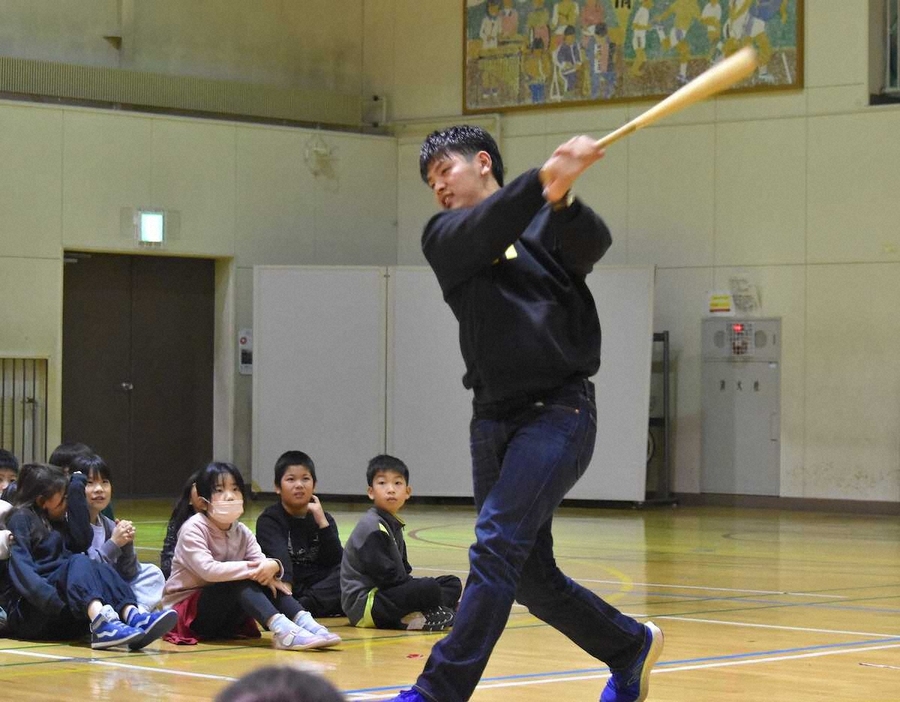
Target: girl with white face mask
{"x":222,"y":584}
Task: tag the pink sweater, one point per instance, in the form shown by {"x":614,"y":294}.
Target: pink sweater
{"x":205,"y":554}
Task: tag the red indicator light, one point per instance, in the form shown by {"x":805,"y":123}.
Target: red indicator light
{"x":738,"y":328}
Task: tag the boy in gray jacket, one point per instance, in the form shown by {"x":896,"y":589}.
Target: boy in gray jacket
{"x":377,"y":590}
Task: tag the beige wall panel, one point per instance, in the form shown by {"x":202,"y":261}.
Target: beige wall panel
{"x":523,"y":153}
{"x":783,"y":294}
{"x":378,"y":51}
{"x":526,"y":123}
{"x":761,"y":192}
{"x":31,"y":322}
{"x":324,"y":44}
{"x":428,"y":58}
{"x":679,"y":307}
{"x":416,"y":205}
{"x":315,"y":44}
{"x":699,"y":113}
{"x":275,"y":204}
{"x":836,"y":50}
{"x":30,"y":181}
{"x":588,"y":120}
{"x":753,"y":106}
{"x":243,"y":384}
{"x":225,"y":360}
{"x":854,"y":169}
{"x":356,"y":210}
{"x":839,"y":99}
{"x":853,"y":382}
{"x":49,"y":30}
{"x":671,"y":196}
{"x":107,"y":166}
{"x":194,"y":174}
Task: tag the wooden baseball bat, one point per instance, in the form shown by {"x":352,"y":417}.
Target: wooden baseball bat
{"x":714,"y":80}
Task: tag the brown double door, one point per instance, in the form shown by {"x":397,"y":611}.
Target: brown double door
{"x":137,"y":385}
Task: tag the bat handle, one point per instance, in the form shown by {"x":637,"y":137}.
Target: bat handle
{"x":613,"y":137}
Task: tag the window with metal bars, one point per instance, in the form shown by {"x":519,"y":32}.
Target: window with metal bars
{"x":23,"y":408}
{"x":891,"y":47}
{"x":884,"y":52}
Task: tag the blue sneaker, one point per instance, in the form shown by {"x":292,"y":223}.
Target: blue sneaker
{"x":107,"y":630}
{"x":152,"y":625}
{"x":633,"y":683}
{"x":411,"y":695}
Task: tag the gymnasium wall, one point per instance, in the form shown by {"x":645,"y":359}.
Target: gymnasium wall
{"x":313,"y":44}
{"x":795,"y":191}
{"x":243,"y":194}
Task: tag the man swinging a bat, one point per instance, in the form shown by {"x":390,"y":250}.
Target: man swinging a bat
{"x":511,"y":262}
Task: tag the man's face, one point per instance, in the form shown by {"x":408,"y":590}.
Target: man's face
{"x":460,"y":181}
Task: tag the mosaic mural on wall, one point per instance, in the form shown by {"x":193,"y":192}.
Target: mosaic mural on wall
{"x":523,"y":54}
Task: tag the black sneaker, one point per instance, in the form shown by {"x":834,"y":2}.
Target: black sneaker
{"x":438,"y":618}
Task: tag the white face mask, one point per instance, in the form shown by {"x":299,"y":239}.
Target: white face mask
{"x":225,"y":512}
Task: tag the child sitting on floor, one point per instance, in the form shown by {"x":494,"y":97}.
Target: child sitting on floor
{"x":303,"y":536}
{"x":49,"y":592}
{"x":377,"y":589}
{"x":221,"y":581}
{"x":113,"y":541}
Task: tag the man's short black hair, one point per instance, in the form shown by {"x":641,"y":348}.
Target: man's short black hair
{"x":384,"y":463}
{"x":464,"y":140}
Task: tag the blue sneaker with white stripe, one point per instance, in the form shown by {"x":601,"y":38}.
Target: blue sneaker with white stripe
{"x":152,"y":625}
{"x":632,"y":684}
{"x":108,"y":631}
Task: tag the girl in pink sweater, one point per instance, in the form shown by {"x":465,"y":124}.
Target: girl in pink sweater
{"x":221,"y":581}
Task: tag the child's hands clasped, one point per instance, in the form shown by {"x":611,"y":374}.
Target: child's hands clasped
{"x":123,"y":533}
{"x":265,"y":572}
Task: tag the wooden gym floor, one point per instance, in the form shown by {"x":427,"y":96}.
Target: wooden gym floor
{"x":755,"y":604}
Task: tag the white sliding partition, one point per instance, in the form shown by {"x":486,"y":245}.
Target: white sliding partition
{"x":318,"y":376}
{"x":428,"y":407}
{"x":624,"y":297}
{"x":333,"y":348}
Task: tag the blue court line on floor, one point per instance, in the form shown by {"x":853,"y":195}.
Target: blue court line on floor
{"x":662,"y":664}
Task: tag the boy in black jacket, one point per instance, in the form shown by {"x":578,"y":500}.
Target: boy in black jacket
{"x":303,"y":537}
{"x":377,"y":588}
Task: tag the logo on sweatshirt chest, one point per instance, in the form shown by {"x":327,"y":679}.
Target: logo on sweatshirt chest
{"x":508,"y":255}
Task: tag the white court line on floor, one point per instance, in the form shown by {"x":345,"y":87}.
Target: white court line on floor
{"x":718,"y":589}
{"x":750,"y":625}
{"x":669,"y":586}
{"x":116,"y":664}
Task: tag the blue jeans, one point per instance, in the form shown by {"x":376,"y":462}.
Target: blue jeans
{"x":524,"y":461}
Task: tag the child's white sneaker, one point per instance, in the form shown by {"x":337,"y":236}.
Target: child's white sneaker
{"x":297,"y":639}
{"x":306,"y":622}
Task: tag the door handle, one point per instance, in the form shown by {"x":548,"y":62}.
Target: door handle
{"x":126,"y":386}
